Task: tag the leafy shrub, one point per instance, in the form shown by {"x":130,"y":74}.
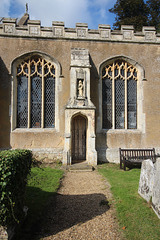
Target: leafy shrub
{"x":15,"y":165}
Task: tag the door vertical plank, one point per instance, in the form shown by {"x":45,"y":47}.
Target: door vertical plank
{"x":78,"y":139}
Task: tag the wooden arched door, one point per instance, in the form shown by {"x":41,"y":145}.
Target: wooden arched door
{"x":79,"y":125}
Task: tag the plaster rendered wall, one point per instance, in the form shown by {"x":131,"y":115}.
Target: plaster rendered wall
{"x":146,"y":54}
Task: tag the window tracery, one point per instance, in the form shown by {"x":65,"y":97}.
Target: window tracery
{"x":119,"y":95}
{"x":35,"y":93}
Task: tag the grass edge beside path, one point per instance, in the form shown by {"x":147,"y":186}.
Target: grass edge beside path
{"x":43,"y":184}
{"x":134,"y":214}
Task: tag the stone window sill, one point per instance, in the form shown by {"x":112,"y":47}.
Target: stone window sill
{"x":18,"y":130}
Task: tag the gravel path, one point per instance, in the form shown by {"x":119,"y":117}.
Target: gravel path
{"x":82,"y":210}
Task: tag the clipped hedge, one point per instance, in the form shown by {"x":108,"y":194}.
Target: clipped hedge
{"x":15,"y":165}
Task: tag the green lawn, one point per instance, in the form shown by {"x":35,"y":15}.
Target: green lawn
{"x":135,"y":214}
{"x":42,"y":185}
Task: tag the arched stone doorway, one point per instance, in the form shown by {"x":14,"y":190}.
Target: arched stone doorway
{"x":78,"y":139}
{"x":80,"y":135}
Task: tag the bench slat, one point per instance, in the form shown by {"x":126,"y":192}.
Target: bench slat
{"x":135,"y":156}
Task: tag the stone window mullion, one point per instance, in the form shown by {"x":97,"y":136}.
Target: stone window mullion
{"x":43,"y":94}
{"x":125,"y":115}
{"x":123,"y":91}
{"x":35,"y":93}
{"x":113,"y":97}
{"x":29,"y":94}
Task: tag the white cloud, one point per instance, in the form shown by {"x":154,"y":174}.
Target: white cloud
{"x":70,"y":11}
{"x":102,"y":7}
{"x":92,"y":12}
{"x":103,"y":13}
{"x":4,"y":8}
{"x":102,"y":3}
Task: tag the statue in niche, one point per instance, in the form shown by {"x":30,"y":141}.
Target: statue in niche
{"x":80,"y":88}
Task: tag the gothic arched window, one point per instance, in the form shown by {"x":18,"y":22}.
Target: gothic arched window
{"x":35,"y":93}
{"x":119,"y":95}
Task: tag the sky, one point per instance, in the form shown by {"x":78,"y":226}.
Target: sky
{"x":93,"y":12}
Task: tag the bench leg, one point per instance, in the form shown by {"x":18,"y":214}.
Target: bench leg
{"x":120,"y":164}
{"x":124,"y":165}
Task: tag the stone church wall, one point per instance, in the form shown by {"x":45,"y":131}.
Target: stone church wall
{"x":103,"y":44}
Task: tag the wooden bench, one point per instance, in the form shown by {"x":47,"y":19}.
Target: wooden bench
{"x":133,"y":157}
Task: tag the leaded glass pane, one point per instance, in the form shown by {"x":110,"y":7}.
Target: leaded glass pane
{"x":19,"y":69}
{"x":53,"y":70}
{"x":132,"y":103}
{"x":32,"y":68}
{"x":36,"y":89}
{"x":118,"y":73}
{"x":122,"y":71}
{"x":36,"y":70}
{"x":22,"y":102}
{"x":135,"y":73}
{"x":25,"y":68}
{"x":119,"y":103}
{"x":107,"y":103}
{"x":49,"y":118}
{"x":39,"y":68}
{"x":46,"y":69}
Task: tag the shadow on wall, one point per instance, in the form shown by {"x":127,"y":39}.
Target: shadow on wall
{"x":5,"y":100}
{"x":94,"y":79}
{"x":101,"y":140}
{"x":101,"y":144}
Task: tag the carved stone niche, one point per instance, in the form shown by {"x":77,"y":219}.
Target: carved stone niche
{"x":80,"y":84}
{"x":80,"y":78}
{"x":80,"y":106}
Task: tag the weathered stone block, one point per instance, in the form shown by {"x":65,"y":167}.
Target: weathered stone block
{"x":105,"y":30}
{"x":146,"y":180}
{"x":156,"y":189}
{"x":58,"y":28}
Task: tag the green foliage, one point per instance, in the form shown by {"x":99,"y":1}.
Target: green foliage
{"x":137,"y":13}
{"x":14,"y":168}
{"x":154,"y":13}
{"x":135,"y":215}
{"x":130,"y":12}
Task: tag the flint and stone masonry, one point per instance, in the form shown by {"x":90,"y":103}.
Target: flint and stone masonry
{"x":78,"y":94}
